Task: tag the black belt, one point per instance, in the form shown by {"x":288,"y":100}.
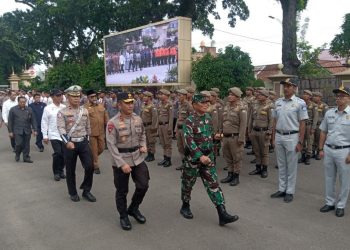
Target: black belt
{"x":128,"y":150}
{"x":287,"y":133}
{"x":337,"y":147}
{"x":231,"y":135}
{"x":163,"y":123}
{"x":147,"y":124}
{"x":260,"y":129}
{"x":179,"y":126}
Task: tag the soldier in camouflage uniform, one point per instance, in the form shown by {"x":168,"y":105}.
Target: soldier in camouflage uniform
{"x":185,"y":109}
{"x":234,"y":127}
{"x":149,"y":117}
{"x":74,"y":128}
{"x":198,"y":132}
{"x":260,"y":130}
{"x":310,"y":127}
{"x":322,"y":108}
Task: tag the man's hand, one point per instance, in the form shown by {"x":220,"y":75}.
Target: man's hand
{"x":143,"y":150}
{"x":298,"y":147}
{"x":11,"y":135}
{"x":35,"y":133}
{"x":70,"y":145}
{"x":347,"y":160}
{"x":126,"y":169}
{"x":321,"y":154}
{"x":46,"y":140}
{"x":205,"y":160}
{"x":217,"y":136}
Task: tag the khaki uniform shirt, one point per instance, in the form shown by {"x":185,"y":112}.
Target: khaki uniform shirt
{"x":215,"y":118}
{"x":261,"y":117}
{"x":313,"y":114}
{"x":125,"y":133}
{"x":149,"y":115}
{"x":235,"y":120}
{"x":220,"y":108}
{"x":98,"y":118}
{"x":185,"y":109}
{"x":66,"y":119}
{"x":165,"y":114}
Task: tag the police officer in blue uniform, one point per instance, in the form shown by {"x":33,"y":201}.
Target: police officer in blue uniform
{"x":289,"y":114}
{"x":334,"y":146}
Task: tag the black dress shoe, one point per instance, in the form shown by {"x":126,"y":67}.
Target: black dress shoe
{"x":125,"y":223}
{"x":88,"y":196}
{"x":326,"y":208}
{"x":17,"y":158}
{"x":278,"y":194}
{"x":56,"y":177}
{"x":28,"y":160}
{"x":185,"y":211}
{"x":62,"y":176}
{"x":41,"y":150}
{"x":97,"y":171}
{"x":288,"y":198}
{"x":75,"y":198}
{"x":137,"y":215}
{"x":339,"y":212}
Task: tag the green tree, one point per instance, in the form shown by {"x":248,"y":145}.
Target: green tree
{"x":290,"y":9}
{"x":340,"y":45}
{"x":230,"y":68}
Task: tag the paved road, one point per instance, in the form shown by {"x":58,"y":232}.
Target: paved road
{"x":36,"y":213}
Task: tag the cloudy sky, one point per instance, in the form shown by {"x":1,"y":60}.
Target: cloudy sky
{"x":326,"y":17}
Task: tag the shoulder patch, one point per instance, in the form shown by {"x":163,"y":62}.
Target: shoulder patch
{"x":110,"y":127}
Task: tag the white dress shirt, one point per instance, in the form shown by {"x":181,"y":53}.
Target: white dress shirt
{"x":49,"y":122}
{"x":6,"y":106}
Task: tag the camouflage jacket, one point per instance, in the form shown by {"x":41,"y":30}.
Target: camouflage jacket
{"x":198,"y":133}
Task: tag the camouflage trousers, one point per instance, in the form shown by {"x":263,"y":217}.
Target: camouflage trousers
{"x":209,"y":178}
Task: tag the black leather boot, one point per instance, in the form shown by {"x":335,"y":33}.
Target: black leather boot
{"x":162,"y":162}
{"x":318,"y":157}
{"x":228,"y":179}
{"x":307,"y":160}
{"x":186,"y":211}
{"x":150,"y":157}
{"x":313,"y":155}
{"x":135,"y":212}
{"x":224,"y":217}
{"x":167,"y":163}
{"x":264,"y":172}
{"x":235,"y":180}
{"x":256,"y":171}
{"x":302,"y":159}
{"x":125,"y":223}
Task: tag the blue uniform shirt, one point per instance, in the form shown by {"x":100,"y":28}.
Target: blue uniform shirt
{"x":337,"y":126}
{"x":289,"y":112}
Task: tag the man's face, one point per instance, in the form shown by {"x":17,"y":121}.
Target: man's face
{"x":316,"y":99}
{"x":289,"y":89}
{"x":37,"y":98}
{"x":113,"y":95}
{"x":22,"y":102}
{"x":342,"y":99}
{"x":13,"y":96}
{"x":57,"y":98}
{"x":182,"y":97}
{"x":232,"y":98}
{"x":74,"y":100}
{"x":306,"y":97}
{"x":201,"y":107}
{"x":248,"y":92}
{"x":92,"y":99}
{"x":261,"y":97}
{"x":126,"y":108}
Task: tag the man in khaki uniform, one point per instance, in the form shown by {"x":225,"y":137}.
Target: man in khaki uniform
{"x":310,"y":127}
{"x":185,"y":109}
{"x":74,"y":128}
{"x":149,"y":118}
{"x":260,"y":130}
{"x":98,"y":117}
{"x":219,"y":107}
{"x":248,"y":100}
{"x":190,"y":92}
{"x":273,"y":98}
{"x":217,"y":91}
{"x":322,"y":108}
{"x":234,"y":128}
{"x":165,"y":126}
{"x":126,"y":141}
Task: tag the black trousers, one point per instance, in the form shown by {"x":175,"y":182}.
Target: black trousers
{"x":140,"y":176}
{"x":13,"y":142}
{"x":82,"y":149}
{"x":57,"y":156}
{"x":39,"y":138}
{"x":22,"y":142}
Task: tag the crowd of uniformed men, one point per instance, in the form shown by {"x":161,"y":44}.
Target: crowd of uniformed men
{"x":78,"y":124}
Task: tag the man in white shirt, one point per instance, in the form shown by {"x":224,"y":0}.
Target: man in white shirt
{"x":50,"y":133}
{"x":7,"y":105}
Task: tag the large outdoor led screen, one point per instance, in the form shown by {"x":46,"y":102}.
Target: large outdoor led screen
{"x":156,"y":54}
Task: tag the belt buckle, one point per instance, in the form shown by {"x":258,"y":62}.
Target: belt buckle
{"x":332,"y":147}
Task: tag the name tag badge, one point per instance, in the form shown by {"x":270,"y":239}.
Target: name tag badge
{"x":263,"y":112}
{"x":320,"y":110}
